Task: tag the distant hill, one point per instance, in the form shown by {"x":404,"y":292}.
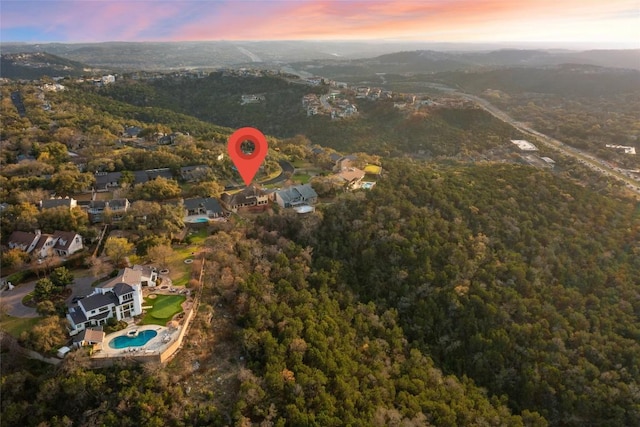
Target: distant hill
{"x":430,"y":61}
{"x":35,"y":65}
{"x":563,"y":80}
{"x":333,"y":57}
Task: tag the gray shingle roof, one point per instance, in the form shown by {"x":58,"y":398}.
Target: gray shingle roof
{"x":298,"y":193}
{"x":104,"y":179}
{"x":77,"y":315}
{"x":54,"y":203}
{"x":99,"y":300}
{"x":122,"y":288}
{"x":208,"y":203}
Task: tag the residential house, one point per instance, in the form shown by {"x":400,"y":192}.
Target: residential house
{"x":138,"y":274}
{"x":375,"y":94}
{"x":194,"y":173}
{"x":348,"y":174}
{"x":144,"y":274}
{"x":121,"y":301}
{"x":44,"y":247}
{"x":132,"y":131}
{"x":296,"y":196}
{"x":362,"y":92}
{"x":352,"y":178}
{"x":168,"y":139}
{"x":345,"y":162}
{"x":105,"y":80}
{"x":251,"y":99}
{"x":140,"y":177}
{"x":155,"y":173}
{"x":115,"y":208}
{"x":251,"y":197}
{"x":24,"y":240}
{"x":90,"y":337}
{"x":334,"y":157}
{"x":107,"y":180}
{"x":67,"y":243}
{"x":61,"y":243}
{"x":67,"y":202}
{"x":314,"y":81}
{"x":203,"y":206}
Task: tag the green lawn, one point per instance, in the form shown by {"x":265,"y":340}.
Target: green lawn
{"x":164,"y":307}
{"x":180,"y":272}
{"x":17,"y":325}
{"x":301,"y":178}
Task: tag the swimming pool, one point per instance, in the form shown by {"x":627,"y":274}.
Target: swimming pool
{"x":197,"y":220}
{"x":139,"y":340}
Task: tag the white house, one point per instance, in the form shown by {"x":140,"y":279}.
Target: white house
{"x":61,"y":243}
{"x":44,"y":247}
{"x":67,"y":243}
{"x":121,"y":301}
{"x":24,"y":240}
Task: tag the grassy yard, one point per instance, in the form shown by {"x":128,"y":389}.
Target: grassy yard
{"x":17,"y":325}
{"x":164,"y":307}
{"x":180,"y":272}
{"x":302,"y":178}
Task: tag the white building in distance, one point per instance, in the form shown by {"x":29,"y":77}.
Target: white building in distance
{"x":524,"y":145}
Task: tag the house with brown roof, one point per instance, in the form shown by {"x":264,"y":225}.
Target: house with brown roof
{"x":44,"y":247}
{"x":61,"y":243}
{"x":251,"y":198}
{"x":67,"y":243}
{"x":90,"y":337}
{"x":24,"y":240}
{"x":351,"y":178}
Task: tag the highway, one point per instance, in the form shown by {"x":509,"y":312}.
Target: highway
{"x":588,"y":160}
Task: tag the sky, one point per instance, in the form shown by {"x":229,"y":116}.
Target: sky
{"x":609,"y":23}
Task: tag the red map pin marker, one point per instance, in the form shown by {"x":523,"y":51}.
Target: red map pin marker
{"x":247,"y":162}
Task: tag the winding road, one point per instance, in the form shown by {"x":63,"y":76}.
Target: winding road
{"x":588,"y":160}
{"x":287,"y":168}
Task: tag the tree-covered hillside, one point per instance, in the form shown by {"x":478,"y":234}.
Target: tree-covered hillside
{"x":380,"y":128}
{"x":516,"y":278}
{"x":306,"y":354}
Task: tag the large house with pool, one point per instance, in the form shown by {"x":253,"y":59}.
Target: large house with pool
{"x":119,"y":300}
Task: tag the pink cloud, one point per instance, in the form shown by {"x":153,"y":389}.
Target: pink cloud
{"x":312,"y":19}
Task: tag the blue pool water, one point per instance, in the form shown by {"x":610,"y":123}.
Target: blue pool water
{"x":124,"y":341}
{"x":200,"y":220}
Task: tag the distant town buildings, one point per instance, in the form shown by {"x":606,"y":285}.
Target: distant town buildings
{"x":627,"y":149}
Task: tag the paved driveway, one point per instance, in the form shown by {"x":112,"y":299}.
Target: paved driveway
{"x":12,"y":299}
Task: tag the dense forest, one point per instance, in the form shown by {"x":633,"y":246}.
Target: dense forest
{"x":518,"y":279}
{"x":308,"y":353}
